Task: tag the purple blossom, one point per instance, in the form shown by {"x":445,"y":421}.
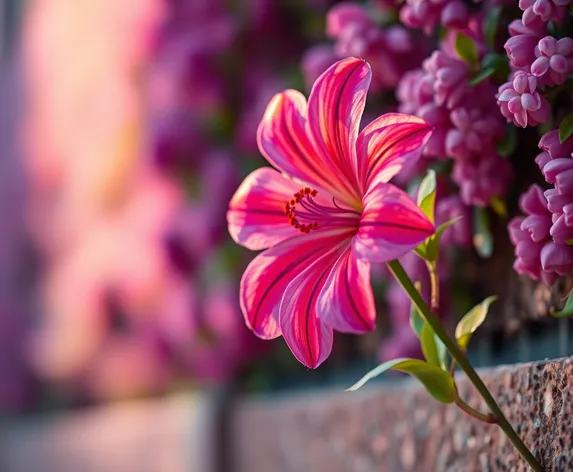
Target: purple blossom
{"x":414,"y":90}
{"x":315,"y":61}
{"x":450,"y":78}
{"x":460,"y":233}
{"x":427,"y":14}
{"x":439,"y":118}
{"x":550,"y":144}
{"x":543,"y":11}
{"x":520,"y":47}
{"x":473,"y":131}
{"x":482,"y":177}
{"x":554,"y":60}
{"x":390,"y":51}
{"x":537,"y":255}
{"x":520,"y":101}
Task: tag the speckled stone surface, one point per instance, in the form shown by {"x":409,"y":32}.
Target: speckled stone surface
{"x":401,"y":428}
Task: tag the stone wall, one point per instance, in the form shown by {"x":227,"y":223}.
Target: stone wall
{"x":388,"y":428}
{"x":403,"y":429}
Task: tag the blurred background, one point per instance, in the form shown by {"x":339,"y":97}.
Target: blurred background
{"x":125,"y":127}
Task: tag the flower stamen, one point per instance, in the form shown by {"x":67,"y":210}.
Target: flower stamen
{"x":304,"y":207}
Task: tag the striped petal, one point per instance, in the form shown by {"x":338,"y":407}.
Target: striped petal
{"x":346,"y":302}
{"x":266,"y":278}
{"x":256,"y":217}
{"x":391,"y":225}
{"x":283,"y":139}
{"x":335,"y":108}
{"x":389,"y":144}
{"x":303,"y":328}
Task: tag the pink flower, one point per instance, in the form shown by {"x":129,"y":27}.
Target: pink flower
{"x":315,"y":274}
{"x":521,"y":103}
{"x":554,"y":60}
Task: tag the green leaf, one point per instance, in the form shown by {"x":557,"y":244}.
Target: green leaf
{"x":433,"y":244}
{"x":507,"y":145}
{"x":567,"y":310}
{"x":442,"y":353}
{"x":497,"y":204}
{"x":491,"y":26}
{"x":428,"y":343}
{"x":427,"y":194}
{"x":566,"y":128}
{"x":569,"y":242}
{"x":466,"y":49}
{"x":438,"y":382}
{"x":482,"y":238}
{"x":416,"y":320}
{"x":472,"y":321}
{"x":481,"y":76}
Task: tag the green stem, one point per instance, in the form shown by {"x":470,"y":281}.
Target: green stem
{"x":435,"y":288}
{"x":404,"y":280}
{"x":485,"y":417}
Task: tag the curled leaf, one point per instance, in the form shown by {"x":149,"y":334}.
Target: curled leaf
{"x":567,"y":310}
{"x":438,"y":382}
{"x":566,"y":128}
{"x":427,"y":194}
{"x":416,"y":320}
{"x":472,"y":320}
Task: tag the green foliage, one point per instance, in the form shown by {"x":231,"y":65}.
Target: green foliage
{"x":472,"y":320}
{"x":416,"y":320}
{"x":567,"y":310}
{"x":427,"y":194}
{"x":566,"y":128}
{"x":433,"y":242}
{"x":507,"y":145}
{"x":429,"y":249}
{"x":491,"y":26}
{"x":438,"y":382}
{"x":498,"y":205}
{"x":467,"y":50}
{"x":482,"y":238}
{"x":433,"y":348}
{"x":492,"y":65}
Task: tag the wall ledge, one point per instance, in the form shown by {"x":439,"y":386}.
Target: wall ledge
{"x":401,"y":428}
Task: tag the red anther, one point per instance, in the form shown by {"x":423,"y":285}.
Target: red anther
{"x":292,"y":212}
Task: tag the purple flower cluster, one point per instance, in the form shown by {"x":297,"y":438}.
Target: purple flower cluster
{"x":428,"y":14}
{"x":466,"y":120}
{"x":538,"y":61}
{"x":390,"y":51}
{"x":542,"y":238}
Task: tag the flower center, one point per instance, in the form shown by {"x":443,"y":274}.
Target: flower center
{"x":305,"y":213}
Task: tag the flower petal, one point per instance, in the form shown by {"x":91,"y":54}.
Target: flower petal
{"x":305,"y":332}
{"x":256,"y":217}
{"x":387,"y":145}
{"x":335,"y":108}
{"x":391,"y":225}
{"x":346,"y":302}
{"x":283,"y":139}
{"x":268,"y":275}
